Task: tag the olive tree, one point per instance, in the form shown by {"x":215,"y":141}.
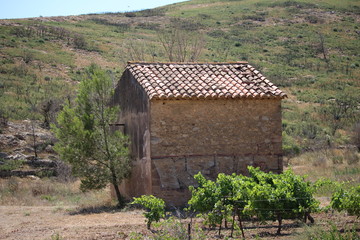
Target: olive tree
{"x":98,"y":156}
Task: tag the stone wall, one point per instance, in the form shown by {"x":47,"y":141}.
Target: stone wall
{"x":134,"y":118}
{"x":211,"y":136}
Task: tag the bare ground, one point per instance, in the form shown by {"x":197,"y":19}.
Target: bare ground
{"x":20,"y":222}
{"x":49,"y":222}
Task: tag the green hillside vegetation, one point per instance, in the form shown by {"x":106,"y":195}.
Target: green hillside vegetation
{"x":309,"y":49}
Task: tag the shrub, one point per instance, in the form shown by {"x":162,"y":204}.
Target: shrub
{"x":151,"y":12}
{"x":217,"y":34}
{"x":352,"y":158}
{"x":356,"y":135}
{"x":80,"y":42}
{"x":13,"y":185}
{"x":149,"y":26}
{"x":56,"y":236}
{"x":28,"y":56}
{"x":186,"y":24}
{"x":3,"y":119}
{"x":256,"y":17}
{"x":347,"y":200}
{"x":290,"y":147}
{"x":10,"y":164}
{"x":123,"y":27}
{"x":155,"y":208}
{"x":313,"y":19}
{"x":130,"y":14}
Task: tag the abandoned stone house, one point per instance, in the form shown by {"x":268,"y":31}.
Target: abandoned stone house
{"x":183,"y":118}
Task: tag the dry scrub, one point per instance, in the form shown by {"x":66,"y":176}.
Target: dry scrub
{"x":33,"y":191}
{"x":335,"y":164}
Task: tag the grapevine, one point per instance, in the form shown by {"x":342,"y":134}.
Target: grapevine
{"x":266,"y":196}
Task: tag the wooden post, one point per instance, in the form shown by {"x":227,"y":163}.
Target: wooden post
{"x":189,"y":231}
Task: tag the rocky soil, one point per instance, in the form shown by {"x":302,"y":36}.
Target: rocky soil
{"x":18,"y":141}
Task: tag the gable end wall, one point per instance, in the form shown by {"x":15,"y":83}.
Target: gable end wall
{"x":211,"y":136}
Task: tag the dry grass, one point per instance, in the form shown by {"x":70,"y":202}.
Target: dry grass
{"x":48,"y":192}
{"x":335,"y":164}
{"x":341,"y":165}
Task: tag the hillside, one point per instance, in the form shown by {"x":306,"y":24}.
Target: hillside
{"x":310,"y":50}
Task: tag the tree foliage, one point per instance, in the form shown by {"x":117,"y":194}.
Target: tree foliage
{"x":97,"y":155}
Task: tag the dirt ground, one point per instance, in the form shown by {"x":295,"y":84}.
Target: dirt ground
{"x":19,"y":222}
{"x":39,"y":222}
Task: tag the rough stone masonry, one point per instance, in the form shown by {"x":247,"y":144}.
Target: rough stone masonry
{"x":188,"y":117}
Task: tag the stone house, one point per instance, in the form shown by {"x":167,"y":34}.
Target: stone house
{"x":183,"y":118}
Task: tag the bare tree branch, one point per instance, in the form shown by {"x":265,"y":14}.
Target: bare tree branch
{"x":180,"y":45}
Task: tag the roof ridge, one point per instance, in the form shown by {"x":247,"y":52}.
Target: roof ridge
{"x":188,"y":63}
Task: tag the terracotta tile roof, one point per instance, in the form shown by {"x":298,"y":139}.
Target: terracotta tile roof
{"x":202,"y":80}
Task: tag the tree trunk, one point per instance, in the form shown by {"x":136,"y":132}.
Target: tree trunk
{"x":310,"y":218}
{"x":115,"y":183}
{"x":189,"y":231}
{"x":220,"y":229}
{"x":121,"y":201}
{"x":323,"y":49}
{"x":233,"y":222}
{"x":280,"y":222}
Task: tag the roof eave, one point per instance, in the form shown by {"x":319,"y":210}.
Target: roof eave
{"x":163,"y":97}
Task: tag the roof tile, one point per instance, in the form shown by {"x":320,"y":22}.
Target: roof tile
{"x":202,"y":80}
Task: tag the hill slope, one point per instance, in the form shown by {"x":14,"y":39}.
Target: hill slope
{"x":310,"y":50}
